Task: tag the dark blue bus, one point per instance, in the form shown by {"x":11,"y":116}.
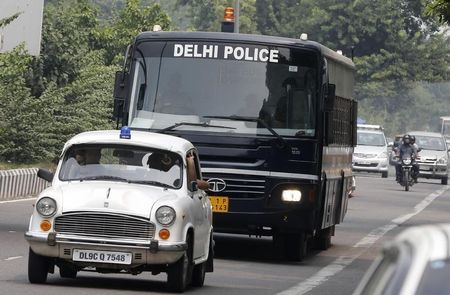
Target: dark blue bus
{"x":273,"y":118}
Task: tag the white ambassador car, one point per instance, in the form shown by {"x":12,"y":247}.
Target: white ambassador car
{"x":417,"y":261}
{"x":123,"y":202}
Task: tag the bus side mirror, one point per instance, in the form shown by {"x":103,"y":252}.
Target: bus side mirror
{"x":120,"y":85}
{"x":330,"y":97}
{"x":120,"y":92}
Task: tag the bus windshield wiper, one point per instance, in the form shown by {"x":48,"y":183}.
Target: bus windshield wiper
{"x":171,"y":127}
{"x":282,"y":141}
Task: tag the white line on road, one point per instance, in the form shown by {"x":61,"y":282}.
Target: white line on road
{"x":13,"y":258}
{"x":341,"y":262}
{"x":19,"y":200}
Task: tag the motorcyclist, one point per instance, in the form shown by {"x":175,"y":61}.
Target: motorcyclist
{"x":415,"y":174}
{"x":406,"y":148}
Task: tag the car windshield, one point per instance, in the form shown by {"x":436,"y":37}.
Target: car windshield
{"x":430,"y":143}
{"x":276,"y":85}
{"x":371,"y":139}
{"x":122,"y":163}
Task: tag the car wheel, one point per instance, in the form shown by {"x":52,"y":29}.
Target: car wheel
{"x":66,"y":272}
{"x":179,"y":274}
{"x":198,"y":275}
{"x":384,"y":174}
{"x":37,"y":268}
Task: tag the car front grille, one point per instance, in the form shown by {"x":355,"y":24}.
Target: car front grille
{"x":364,"y":156}
{"x":239,"y":186}
{"x":104,"y":225}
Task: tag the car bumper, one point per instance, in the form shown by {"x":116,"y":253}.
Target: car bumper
{"x":433,"y":170}
{"x":143,"y":252}
{"x":370,"y":165}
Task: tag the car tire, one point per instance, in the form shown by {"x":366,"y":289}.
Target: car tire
{"x":37,"y":268}
{"x":384,"y":174}
{"x":444,"y":180}
{"x":179,"y":274}
{"x":198,"y":275}
{"x":66,"y":272}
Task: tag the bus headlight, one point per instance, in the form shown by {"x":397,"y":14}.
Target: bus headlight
{"x":165,"y":215}
{"x":291,"y":195}
{"x":46,"y":207}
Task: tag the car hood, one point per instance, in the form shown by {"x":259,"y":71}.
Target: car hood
{"x":368,"y":149}
{"x":432,"y":155}
{"x":104,"y":196}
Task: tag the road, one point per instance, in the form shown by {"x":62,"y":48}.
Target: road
{"x":379,"y":211}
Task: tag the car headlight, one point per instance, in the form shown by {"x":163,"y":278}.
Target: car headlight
{"x":382,"y":155}
{"x":291,"y":195}
{"x":406,"y":161}
{"x":46,"y":207}
{"x":165,"y":215}
{"x":442,"y":161}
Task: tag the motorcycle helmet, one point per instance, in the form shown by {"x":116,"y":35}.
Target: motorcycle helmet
{"x":406,"y":139}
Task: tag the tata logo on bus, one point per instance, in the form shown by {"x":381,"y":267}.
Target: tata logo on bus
{"x":216,"y":185}
{"x":226,"y":52}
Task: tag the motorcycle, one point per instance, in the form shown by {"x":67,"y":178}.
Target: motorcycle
{"x":407,"y":179}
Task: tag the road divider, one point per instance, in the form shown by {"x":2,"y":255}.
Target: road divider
{"x":20,"y":183}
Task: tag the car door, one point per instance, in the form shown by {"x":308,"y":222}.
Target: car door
{"x":201,"y":206}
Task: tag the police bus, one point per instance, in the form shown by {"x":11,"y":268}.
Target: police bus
{"x":274,"y":120}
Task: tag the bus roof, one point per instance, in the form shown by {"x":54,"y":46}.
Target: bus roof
{"x":249,"y":38}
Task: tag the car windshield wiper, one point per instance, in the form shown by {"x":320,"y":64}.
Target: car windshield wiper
{"x":171,"y":127}
{"x":151,"y":182}
{"x":282,"y":141}
{"x":103,"y":177}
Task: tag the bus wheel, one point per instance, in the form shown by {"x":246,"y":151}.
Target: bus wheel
{"x":322,"y":240}
{"x":292,"y":247}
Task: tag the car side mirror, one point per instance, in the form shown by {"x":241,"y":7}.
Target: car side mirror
{"x":45,"y":174}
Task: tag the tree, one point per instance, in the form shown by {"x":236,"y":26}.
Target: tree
{"x":441,"y":9}
{"x":132,"y":20}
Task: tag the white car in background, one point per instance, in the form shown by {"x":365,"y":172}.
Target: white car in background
{"x":371,"y":151}
{"x":433,"y":157}
{"x":123,"y":201}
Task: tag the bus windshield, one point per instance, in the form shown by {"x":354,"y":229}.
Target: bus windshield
{"x":199,"y":82}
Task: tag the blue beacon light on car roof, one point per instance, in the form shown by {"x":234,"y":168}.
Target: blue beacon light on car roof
{"x":125,"y":132}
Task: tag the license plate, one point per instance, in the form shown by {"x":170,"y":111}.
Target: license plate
{"x":101,"y":256}
{"x":219,"y":204}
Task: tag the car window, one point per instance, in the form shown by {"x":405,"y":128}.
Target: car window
{"x":435,"y":279}
{"x":430,"y":143}
{"x":122,"y":163}
{"x":385,"y":268}
{"x":371,"y":139}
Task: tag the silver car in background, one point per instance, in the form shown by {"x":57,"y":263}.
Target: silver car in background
{"x":433,"y":158}
{"x":371,"y":152}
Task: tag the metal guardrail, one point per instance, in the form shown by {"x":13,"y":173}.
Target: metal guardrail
{"x":20,"y":183}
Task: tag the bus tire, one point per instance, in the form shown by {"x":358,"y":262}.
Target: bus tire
{"x":322,"y":240}
{"x":296,"y":246}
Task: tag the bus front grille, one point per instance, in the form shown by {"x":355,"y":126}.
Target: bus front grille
{"x":238,"y":186}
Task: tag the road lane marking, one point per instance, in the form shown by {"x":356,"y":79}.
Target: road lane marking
{"x":341,"y":262}
{"x":13,"y":258}
{"x":19,"y":200}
